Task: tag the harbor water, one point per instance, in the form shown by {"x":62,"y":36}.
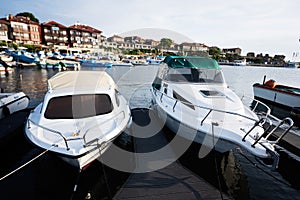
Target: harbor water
{"x":238,"y":174}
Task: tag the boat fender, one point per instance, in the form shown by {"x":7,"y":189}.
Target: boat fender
{"x":270,"y":83}
{"x":5,"y":111}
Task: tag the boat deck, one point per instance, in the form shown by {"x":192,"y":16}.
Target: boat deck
{"x":171,"y":182}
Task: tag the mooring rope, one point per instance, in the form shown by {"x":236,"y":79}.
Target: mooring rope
{"x":27,"y":163}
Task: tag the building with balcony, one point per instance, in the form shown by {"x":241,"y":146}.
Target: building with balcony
{"x":54,"y":34}
{"x":4,"y":30}
{"x":134,"y":39}
{"x":115,"y":38}
{"x":236,"y":51}
{"x":185,"y":47}
{"x":84,"y":36}
{"x":22,"y":30}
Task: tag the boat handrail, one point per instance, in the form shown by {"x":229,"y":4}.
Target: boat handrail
{"x":69,"y":139}
{"x":202,"y":107}
{"x":257,"y":103}
{"x":48,"y":129}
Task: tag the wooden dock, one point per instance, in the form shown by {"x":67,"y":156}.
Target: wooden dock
{"x":171,"y":182}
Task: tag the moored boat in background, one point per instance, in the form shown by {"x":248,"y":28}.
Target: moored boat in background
{"x":277,"y":94}
{"x":12,"y":102}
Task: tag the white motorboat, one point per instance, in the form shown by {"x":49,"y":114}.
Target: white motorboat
{"x":12,"y":102}
{"x":6,"y":58}
{"x":81,"y":115}
{"x":95,"y":63}
{"x":276,"y":94}
{"x":190,"y":95}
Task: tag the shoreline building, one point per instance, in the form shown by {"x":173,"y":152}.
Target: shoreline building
{"x":4,"y":31}
{"x":54,"y":34}
{"x":84,"y":36}
{"x":22,"y":30}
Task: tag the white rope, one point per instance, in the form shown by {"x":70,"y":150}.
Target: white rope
{"x":14,"y":171}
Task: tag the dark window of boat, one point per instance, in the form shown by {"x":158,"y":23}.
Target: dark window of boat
{"x":117,"y":97}
{"x":211,"y":93}
{"x":157,"y":83}
{"x":78,"y":106}
{"x":183,"y":100}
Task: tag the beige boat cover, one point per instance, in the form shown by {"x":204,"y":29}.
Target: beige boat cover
{"x":80,"y":79}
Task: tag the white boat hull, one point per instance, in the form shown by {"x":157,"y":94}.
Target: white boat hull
{"x":277,"y":97}
{"x":81,"y":115}
{"x":11,"y":103}
{"x":83,"y":161}
{"x":228,"y":132}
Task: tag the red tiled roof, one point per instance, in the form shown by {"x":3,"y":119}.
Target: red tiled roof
{"x":86,"y":28}
{"x":53,"y":23}
{"x":3,"y":21}
{"x":117,"y":36}
{"x":22,"y":19}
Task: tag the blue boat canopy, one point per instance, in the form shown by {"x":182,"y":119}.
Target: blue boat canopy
{"x":191,"y":62}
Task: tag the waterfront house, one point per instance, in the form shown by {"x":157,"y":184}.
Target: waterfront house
{"x":54,"y":34}
{"x":23,"y":30}
{"x":152,"y":42}
{"x":115,"y":38}
{"x":84,"y":36}
{"x":236,"y":51}
{"x":192,"y":47}
{"x":4,"y":30}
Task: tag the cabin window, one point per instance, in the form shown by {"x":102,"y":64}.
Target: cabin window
{"x":117,"y":97}
{"x":195,"y":75}
{"x":211,"y":93}
{"x":157,"y":83}
{"x":78,"y":106}
{"x":183,"y":100}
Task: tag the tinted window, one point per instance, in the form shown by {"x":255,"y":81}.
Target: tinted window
{"x":78,"y":106}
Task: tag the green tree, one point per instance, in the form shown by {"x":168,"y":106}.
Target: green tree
{"x":30,"y":15}
{"x":215,"y":53}
{"x":166,"y":42}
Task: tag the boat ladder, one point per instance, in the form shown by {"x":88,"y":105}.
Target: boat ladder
{"x":287,"y":122}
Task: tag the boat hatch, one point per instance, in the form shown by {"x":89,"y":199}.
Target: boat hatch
{"x":211,"y":93}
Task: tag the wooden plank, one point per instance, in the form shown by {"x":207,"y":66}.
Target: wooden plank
{"x":171,"y":182}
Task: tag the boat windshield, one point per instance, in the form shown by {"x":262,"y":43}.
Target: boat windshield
{"x":194,"y":75}
{"x":78,"y":106}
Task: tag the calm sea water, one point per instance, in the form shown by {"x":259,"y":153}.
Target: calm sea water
{"x":240,"y":178}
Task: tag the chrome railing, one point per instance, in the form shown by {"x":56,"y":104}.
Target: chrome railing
{"x":157,"y":92}
{"x":254,"y":105}
{"x":86,"y":143}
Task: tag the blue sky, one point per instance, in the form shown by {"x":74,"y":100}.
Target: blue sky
{"x":260,"y":26}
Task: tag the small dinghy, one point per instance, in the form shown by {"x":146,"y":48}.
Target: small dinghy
{"x":12,"y":102}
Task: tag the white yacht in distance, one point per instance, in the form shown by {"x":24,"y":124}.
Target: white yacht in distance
{"x":191,"y":96}
{"x":81,"y":115}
